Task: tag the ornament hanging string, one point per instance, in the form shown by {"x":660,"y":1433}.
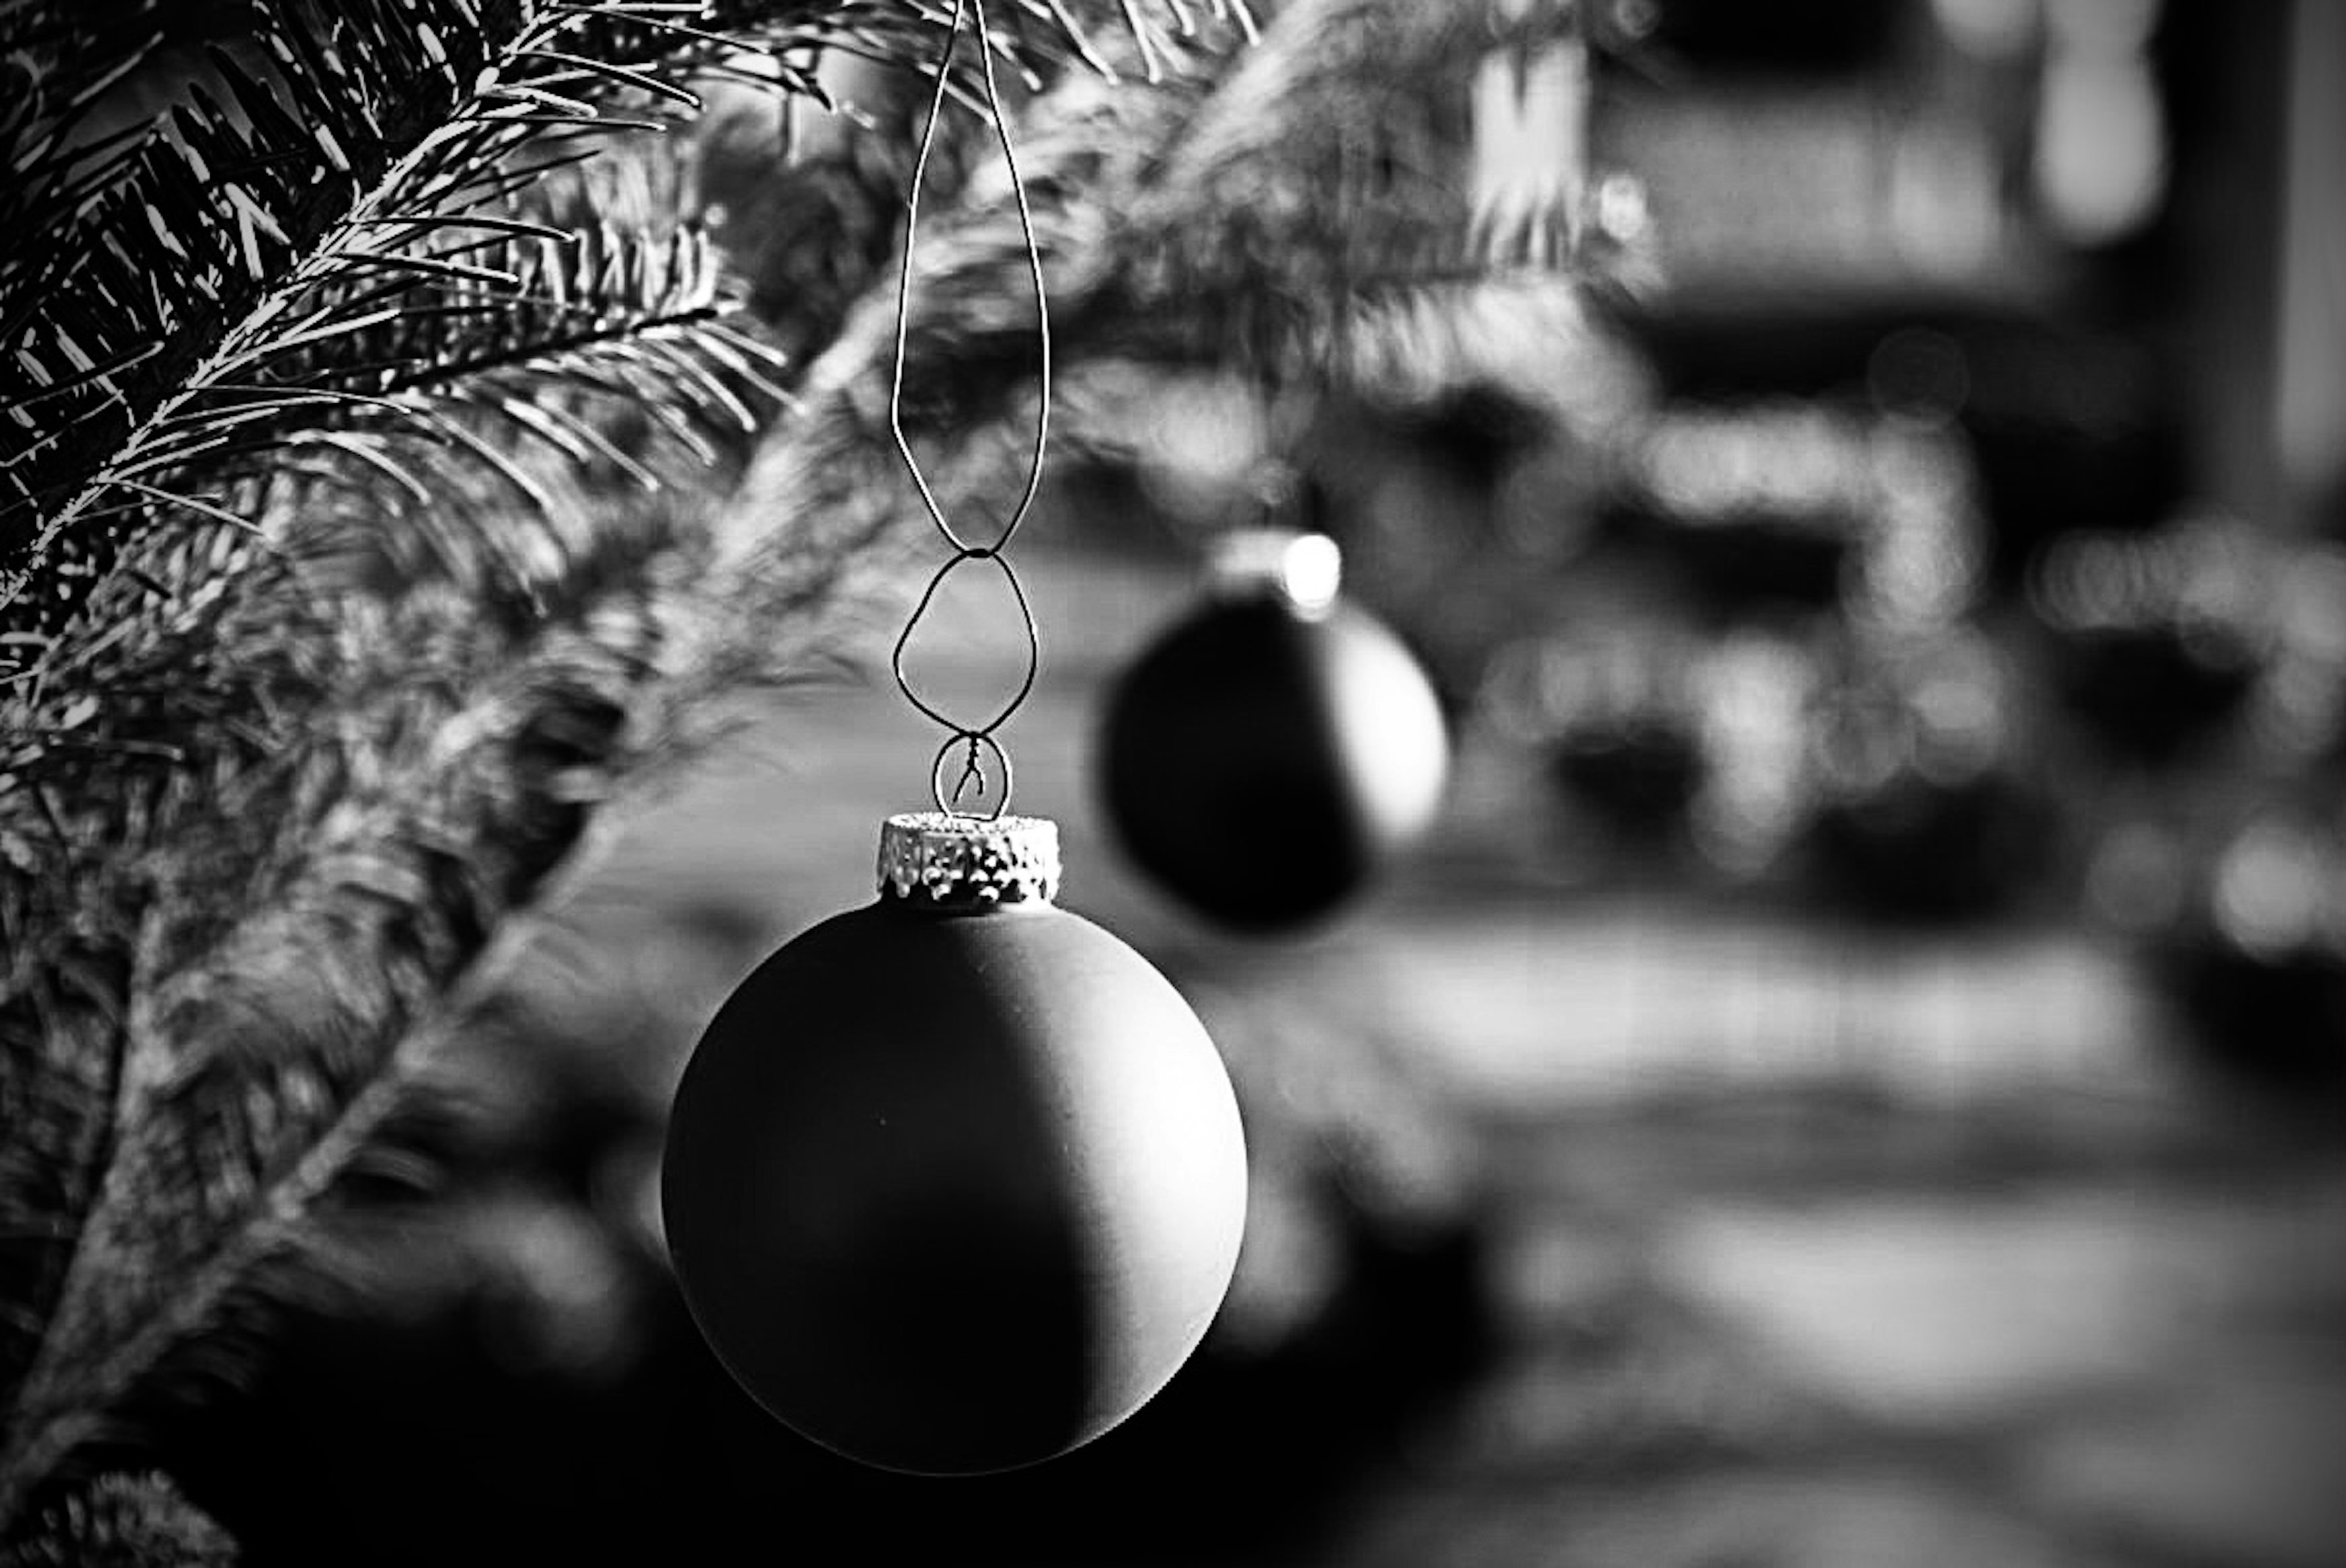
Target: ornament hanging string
{"x":971,"y":741}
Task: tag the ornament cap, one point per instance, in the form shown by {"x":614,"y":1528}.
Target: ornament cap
{"x":1306,"y":567}
{"x":942,"y":861}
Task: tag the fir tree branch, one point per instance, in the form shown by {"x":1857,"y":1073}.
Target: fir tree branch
{"x":123,"y":1522}
{"x":1329,"y":162}
{"x":192,"y":250}
{"x":244,"y":220}
{"x":136,"y":1232}
{"x":401,"y":832}
{"x":253,"y":1036}
{"x":1150,"y":212}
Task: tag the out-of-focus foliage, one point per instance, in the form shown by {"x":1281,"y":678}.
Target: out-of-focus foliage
{"x":122,"y":1521}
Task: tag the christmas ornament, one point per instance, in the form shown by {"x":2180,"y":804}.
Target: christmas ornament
{"x":1266,"y":756}
{"x":954,"y":1181}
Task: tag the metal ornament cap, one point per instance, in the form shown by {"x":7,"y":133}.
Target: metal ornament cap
{"x":942,"y":861}
{"x":1305,"y":568}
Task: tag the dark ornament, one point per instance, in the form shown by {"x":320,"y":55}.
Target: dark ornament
{"x":954,"y":1182}
{"x":1266,"y":756}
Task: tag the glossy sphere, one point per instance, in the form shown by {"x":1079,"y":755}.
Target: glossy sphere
{"x":1263,"y":764}
{"x":953,"y":1193}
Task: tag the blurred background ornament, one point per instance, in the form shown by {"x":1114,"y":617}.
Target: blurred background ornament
{"x":954,"y":1182}
{"x":1266,"y":755}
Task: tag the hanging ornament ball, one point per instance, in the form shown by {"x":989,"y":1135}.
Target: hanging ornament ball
{"x":1266,"y":755}
{"x":954,"y":1181}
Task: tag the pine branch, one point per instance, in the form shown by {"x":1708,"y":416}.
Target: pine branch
{"x":826,"y":502}
{"x":310,"y":1104}
{"x":1327,"y":165}
{"x":123,"y":1522}
{"x":216,"y":694}
{"x":155,"y":623}
{"x":320,"y":903}
{"x":260,"y":229}
{"x":555,"y":372}
{"x":253,"y":1035}
{"x":276,"y":973}
{"x":325,"y":158}
{"x":345,"y":474}
{"x":1150,"y":211}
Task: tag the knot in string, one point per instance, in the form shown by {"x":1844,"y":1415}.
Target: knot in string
{"x":971,"y":741}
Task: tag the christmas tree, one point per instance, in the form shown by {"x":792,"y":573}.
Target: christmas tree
{"x":422,"y":420}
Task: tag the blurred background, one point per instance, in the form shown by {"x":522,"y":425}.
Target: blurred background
{"x":1850,"y":1079}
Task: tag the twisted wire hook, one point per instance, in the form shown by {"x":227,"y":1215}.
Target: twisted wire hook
{"x":981,"y":737}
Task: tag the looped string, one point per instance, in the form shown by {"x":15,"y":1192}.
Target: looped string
{"x":972,"y":776}
{"x":982,"y":736}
